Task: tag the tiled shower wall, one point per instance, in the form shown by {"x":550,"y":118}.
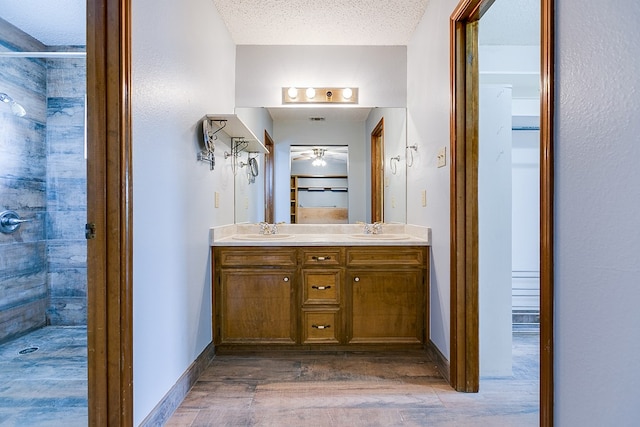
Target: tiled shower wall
{"x":66,"y":192}
{"x":42,"y":177}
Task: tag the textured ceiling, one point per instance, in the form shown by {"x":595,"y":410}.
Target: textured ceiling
{"x":314,"y":22}
{"x":511,"y":22}
{"x":52,"y":22}
{"x":293,"y":22}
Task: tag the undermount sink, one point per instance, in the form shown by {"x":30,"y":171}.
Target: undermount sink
{"x":381,"y":236}
{"x":262,"y":236}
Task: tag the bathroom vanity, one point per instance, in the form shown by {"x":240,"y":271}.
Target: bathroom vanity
{"x":320,"y":287}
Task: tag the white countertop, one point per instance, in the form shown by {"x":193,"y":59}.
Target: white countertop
{"x":320,"y":235}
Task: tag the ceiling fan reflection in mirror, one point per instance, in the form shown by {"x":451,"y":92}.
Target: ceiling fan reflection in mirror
{"x":319,"y":153}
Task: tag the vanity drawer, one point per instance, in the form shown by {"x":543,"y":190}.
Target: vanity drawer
{"x":320,"y":326}
{"x":256,"y":257}
{"x":321,"y":286}
{"x":386,"y":257}
{"x":321,"y":256}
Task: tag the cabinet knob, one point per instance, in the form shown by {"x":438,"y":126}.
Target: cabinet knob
{"x":286,"y":279}
{"x":356,"y":279}
{"x":321,"y":258}
{"x":320,"y":288}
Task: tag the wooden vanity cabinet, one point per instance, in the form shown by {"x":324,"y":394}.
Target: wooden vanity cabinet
{"x":372,"y":296}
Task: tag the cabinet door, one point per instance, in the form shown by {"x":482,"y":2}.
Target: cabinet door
{"x":385,"y":306}
{"x":257,"y":307}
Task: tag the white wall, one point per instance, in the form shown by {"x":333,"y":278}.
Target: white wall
{"x":494,"y":230}
{"x":380,"y":72}
{"x":175,"y":84}
{"x":525,"y":217}
{"x":395,"y":140}
{"x":597,"y":205}
{"x":428,"y":106}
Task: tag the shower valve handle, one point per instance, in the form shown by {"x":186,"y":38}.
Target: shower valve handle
{"x":10,"y":221}
{"x":13,"y":221}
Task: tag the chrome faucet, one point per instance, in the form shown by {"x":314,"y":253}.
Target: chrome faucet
{"x":375,"y":228}
{"x":268,"y":229}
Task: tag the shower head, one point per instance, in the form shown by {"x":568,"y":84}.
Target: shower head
{"x":16,"y":109}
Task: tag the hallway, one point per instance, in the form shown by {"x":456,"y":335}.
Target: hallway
{"x":357,"y":389}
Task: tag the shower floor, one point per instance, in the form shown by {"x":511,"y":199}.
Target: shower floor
{"x":47,"y":386}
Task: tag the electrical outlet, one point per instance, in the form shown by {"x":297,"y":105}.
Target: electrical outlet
{"x":217,"y":199}
{"x":442,"y":157}
{"x":424,"y":198}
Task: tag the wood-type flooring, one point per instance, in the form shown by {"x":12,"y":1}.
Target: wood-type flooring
{"x":357,"y":389}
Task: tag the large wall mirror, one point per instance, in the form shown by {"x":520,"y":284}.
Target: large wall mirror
{"x":345,"y":132}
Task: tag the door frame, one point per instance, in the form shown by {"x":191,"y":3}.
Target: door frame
{"x":269,"y":167}
{"x":377,"y":172}
{"x":109,"y":208}
{"x":464,"y":359}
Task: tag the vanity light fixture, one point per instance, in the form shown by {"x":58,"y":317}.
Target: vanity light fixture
{"x":320,"y":95}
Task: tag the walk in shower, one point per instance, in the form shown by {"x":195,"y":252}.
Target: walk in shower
{"x":43,"y":272}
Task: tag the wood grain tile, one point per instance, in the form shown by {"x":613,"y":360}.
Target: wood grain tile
{"x":356,"y":389}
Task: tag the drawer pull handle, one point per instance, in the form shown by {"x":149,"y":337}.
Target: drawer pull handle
{"x":286,"y":279}
{"x":321,"y":258}
{"x":320,"y":288}
{"x":321,"y":326}
{"x":357,"y":279}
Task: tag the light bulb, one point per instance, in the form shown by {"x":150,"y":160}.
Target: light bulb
{"x":311,"y":93}
{"x":292,"y":92}
{"x":347,"y":93}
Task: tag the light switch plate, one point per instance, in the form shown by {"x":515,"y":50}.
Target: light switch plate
{"x":217,"y":199}
{"x":442,"y":157}
{"x":424,"y":198}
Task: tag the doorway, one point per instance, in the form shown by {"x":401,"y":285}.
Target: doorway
{"x":508,"y":187}
{"x":43,"y":277}
{"x":464,"y":201}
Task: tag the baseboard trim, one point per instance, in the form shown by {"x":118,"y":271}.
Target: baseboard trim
{"x":441,"y":362}
{"x":170,"y":402}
